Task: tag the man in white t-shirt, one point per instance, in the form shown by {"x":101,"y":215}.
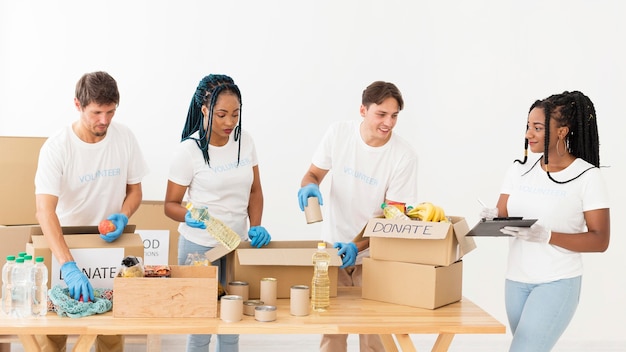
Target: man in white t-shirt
{"x":370,"y":166}
{"x":88,"y":172}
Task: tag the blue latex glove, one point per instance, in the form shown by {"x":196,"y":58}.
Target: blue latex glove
{"x":310,"y":190}
{"x":191,"y":222}
{"x":120,"y":220}
{"x":77,"y":282}
{"x":259,"y":236}
{"x":347,"y":252}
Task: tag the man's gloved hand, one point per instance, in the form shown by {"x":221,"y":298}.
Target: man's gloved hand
{"x":77,"y":282}
{"x":489,"y":213}
{"x":310,"y":190}
{"x":347,"y":252}
{"x":191,"y":222}
{"x":120,"y":220}
{"x":259,"y":236}
{"x":535,"y":233}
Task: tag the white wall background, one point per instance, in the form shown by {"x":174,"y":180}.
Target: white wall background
{"x":468,"y":71}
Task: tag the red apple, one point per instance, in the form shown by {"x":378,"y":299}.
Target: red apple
{"x":106,"y":226}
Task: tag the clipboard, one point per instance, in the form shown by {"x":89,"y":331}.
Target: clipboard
{"x":491,"y":228}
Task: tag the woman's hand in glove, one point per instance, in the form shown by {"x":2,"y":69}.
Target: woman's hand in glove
{"x":259,"y":236}
{"x":535,"y":233}
{"x":191,"y":222}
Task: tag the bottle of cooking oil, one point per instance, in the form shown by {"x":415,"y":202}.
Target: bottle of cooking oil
{"x":215,"y":227}
{"x":392,"y":212}
{"x":320,"y":284}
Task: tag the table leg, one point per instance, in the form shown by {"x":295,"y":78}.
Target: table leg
{"x":389,"y":343}
{"x":29,"y":343}
{"x":5,"y":347}
{"x":406,"y":345}
{"x":443,"y":343}
{"x":84,"y":343}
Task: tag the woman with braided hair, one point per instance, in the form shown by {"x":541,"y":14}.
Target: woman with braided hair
{"x":216,"y":166}
{"x":563,"y":189}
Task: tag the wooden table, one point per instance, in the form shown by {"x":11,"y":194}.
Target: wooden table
{"x":349,"y":314}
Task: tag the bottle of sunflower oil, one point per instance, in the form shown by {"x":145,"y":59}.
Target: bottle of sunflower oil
{"x":320,"y":284}
{"x":215,"y":227}
{"x":392,"y":212}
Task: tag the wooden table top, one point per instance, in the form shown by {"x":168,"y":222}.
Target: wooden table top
{"x":349,"y":314}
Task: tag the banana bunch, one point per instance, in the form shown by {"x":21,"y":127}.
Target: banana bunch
{"x":427,"y":211}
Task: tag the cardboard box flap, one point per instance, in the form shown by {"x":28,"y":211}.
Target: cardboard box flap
{"x":461,"y":229}
{"x":80,"y":230}
{"x":88,"y":241}
{"x":413,"y":229}
{"x":282,"y":257}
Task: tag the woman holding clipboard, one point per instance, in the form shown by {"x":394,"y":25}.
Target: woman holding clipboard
{"x":564,"y":190}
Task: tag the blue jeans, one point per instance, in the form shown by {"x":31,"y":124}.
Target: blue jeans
{"x":539,"y":313}
{"x":200,"y":343}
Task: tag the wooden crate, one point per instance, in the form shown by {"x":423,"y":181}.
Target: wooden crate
{"x":191,"y":291}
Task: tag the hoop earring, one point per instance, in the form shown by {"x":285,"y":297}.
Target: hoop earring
{"x":557,"y":147}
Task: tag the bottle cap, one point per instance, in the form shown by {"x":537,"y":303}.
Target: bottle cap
{"x":321,"y":245}
{"x":10,"y":257}
{"x":39,"y":260}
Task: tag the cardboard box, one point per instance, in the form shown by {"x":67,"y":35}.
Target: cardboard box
{"x":14,"y":239}
{"x":18,"y":161}
{"x":190,"y":292}
{"x":419,"y":242}
{"x":289,"y":262}
{"x":416,"y":285}
{"x":151,"y":216}
{"x":98,"y":259}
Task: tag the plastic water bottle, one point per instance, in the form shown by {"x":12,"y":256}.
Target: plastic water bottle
{"x":6,"y":284}
{"x":40,"y":288}
{"x":320,"y":284}
{"x":28,"y":261}
{"x":392,"y":212}
{"x":21,"y":289}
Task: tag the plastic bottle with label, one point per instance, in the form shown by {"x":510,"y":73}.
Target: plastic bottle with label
{"x":320,"y":284}
{"x":6,"y":284}
{"x":215,"y":227}
{"x":39,"y":297}
{"x":392,"y":212}
{"x":21,"y":289}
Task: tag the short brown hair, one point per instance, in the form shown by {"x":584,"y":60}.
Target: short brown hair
{"x":378,"y":91}
{"x":97,"y":87}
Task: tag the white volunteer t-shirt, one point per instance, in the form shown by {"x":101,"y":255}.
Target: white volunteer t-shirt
{"x":361,"y":177}
{"x":558,"y":207}
{"x":89,"y":178}
{"x":223,"y":187}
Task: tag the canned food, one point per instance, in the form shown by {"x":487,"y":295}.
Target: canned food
{"x":265,"y":313}
{"x":250,"y":305}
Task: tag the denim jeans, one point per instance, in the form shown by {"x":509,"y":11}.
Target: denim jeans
{"x":539,"y":313}
{"x":200,"y":343}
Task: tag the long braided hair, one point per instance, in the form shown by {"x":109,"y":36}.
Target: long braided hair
{"x":206,"y":94}
{"x":576,"y":111}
